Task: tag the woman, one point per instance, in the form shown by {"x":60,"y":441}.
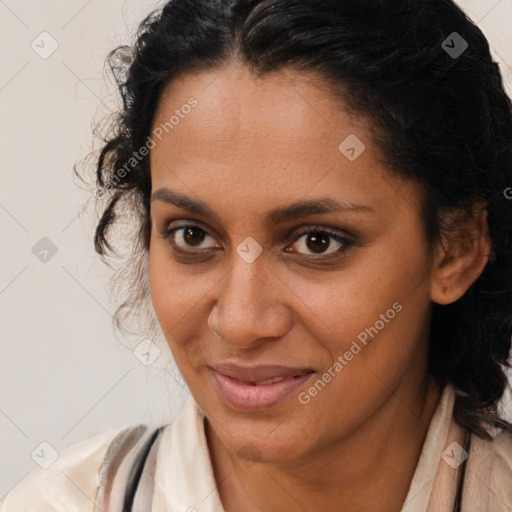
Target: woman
{"x":324,"y":231}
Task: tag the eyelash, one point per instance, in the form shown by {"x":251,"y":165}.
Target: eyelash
{"x":319,"y":230}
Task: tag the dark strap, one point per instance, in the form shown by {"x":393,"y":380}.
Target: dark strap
{"x":460,"y":486}
{"x":124,"y":467}
{"x":136,"y":472}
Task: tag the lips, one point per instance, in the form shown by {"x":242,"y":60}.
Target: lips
{"x":260,"y":387}
{"x":259,"y":374}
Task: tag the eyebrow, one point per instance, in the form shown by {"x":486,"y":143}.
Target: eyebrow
{"x":276,"y":216}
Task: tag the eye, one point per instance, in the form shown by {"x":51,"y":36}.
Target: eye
{"x":187,"y":238}
{"x":318,"y":240}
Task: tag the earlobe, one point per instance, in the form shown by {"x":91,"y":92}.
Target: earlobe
{"x":461,"y":256}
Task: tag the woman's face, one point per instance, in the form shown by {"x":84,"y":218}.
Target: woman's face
{"x":294,"y":255}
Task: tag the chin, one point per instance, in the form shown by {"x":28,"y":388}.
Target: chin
{"x":254,"y":448}
{"x":260,"y":439}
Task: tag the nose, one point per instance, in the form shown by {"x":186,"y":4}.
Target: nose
{"x":251,"y":306}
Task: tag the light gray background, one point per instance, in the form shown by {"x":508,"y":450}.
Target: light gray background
{"x":64,"y":375}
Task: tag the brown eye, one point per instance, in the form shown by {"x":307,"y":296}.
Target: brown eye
{"x":319,"y":241}
{"x":187,"y":237}
{"x":193,"y":236}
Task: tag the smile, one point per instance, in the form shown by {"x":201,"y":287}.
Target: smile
{"x":258,"y":388}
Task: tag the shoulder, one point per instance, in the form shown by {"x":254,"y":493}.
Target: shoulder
{"x":501,"y":473}
{"x":503,"y":451}
{"x":69,"y":484}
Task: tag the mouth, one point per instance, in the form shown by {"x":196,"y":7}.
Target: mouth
{"x":258,"y":388}
{"x":273,"y":380}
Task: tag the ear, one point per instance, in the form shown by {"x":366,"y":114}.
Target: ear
{"x":461,"y":254}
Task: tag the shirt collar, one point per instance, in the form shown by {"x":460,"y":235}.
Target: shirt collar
{"x":184,"y":479}
{"x":433,"y":446}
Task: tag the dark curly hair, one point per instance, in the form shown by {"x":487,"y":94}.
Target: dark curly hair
{"x":441,"y":119}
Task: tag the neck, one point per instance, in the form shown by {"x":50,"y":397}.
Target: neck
{"x":352,"y":473}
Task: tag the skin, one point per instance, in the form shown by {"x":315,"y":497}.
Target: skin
{"x":249,"y":146}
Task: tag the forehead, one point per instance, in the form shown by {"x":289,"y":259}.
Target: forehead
{"x":265,"y":140}
{"x":235,"y":107}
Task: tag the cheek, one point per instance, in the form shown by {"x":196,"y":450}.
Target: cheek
{"x":384,"y":297}
{"x":179,"y":294}
{"x":171,"y":293}
{"x":375,"y":337}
